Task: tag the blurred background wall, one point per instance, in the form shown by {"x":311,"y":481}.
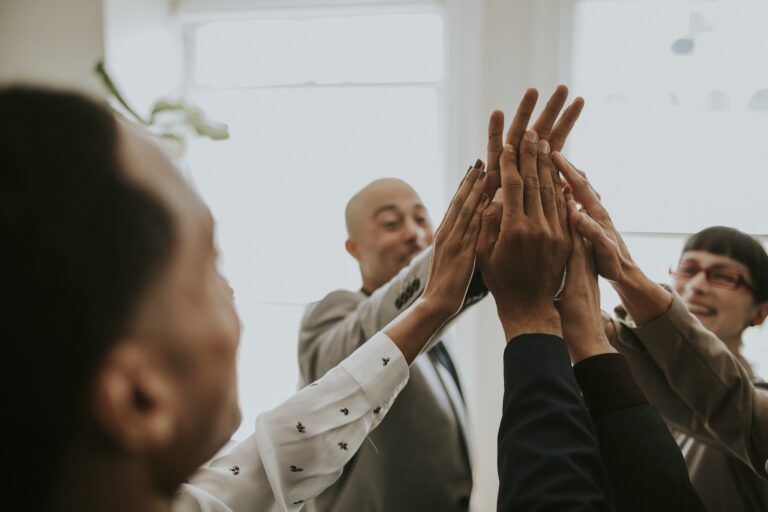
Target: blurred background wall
{"x":323,"y":97}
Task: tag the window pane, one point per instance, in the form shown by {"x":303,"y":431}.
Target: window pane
{"x":675,"y":133}
{"x":267,"y":367}
{"x":323,"y":50}
{"x":279,"y":186}
{"x":278,"y":189}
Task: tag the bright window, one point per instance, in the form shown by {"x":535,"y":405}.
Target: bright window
{"x":675,"y":132}
{"x":318,"y":105}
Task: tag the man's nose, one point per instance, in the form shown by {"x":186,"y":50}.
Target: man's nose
{"x":413,"y":232}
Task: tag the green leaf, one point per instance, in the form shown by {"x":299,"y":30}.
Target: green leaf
{"x":110,"y":86}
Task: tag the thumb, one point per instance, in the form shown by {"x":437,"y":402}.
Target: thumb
{"x":603,"y":247}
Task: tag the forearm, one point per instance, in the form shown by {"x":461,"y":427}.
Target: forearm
{"x":637,"y":448}
{"x":697,"y":383}
{"x":643,"y":299}
{"x":548,"y":452}
{"x":416,"y":327}
{"x":607,"y":385}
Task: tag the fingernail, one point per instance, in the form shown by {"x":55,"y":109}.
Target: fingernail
{"x":484,"y":198}
{"x":544,"y":146}
{"x":468,"y":169}
{"x":509,"y":147}
{"x":531,"y":136}
{"x":478,"y":163}
{"x":481,"y":175}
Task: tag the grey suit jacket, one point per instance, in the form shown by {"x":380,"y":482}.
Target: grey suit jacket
{"x":417,"y":459}
{"x":697,"y":384}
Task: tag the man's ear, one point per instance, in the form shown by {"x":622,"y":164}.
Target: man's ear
{"x":352,"y":249}
{"x":134,"y":400}
{"x":760,"y":314}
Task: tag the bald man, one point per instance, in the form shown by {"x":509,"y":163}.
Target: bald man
{"x":418,"y":458}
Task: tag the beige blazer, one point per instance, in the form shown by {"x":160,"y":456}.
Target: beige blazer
{"x":418,"y":458}
{"x":697,"y":384}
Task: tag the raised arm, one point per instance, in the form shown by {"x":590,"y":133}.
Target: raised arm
{"x":669,"y":346}
{"x":300,"y":448}
{"x":644,"y":464}
{"x":548,"y":452}
{"x":329,"y":333}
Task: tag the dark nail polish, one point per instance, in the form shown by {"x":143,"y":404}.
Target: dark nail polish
{"x":484,"y":197}
{"x":481,"y":175}
{"x":478,"y":163}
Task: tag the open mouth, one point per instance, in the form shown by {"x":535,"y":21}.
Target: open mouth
{"x":699,"y":310}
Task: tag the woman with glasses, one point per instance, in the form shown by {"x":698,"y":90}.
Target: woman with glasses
{"x":722,"y":278}
{"x":683,"y":344}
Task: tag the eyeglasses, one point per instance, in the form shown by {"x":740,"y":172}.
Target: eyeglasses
{"x":719,"y":277}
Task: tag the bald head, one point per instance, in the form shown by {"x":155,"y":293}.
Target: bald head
{"x":387,"y":225}
{"x":371,"y":197}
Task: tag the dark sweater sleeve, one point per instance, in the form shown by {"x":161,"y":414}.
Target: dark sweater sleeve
{"x":607,"y":385}
{"x":644,"y":464}
{"x":549,"y":458}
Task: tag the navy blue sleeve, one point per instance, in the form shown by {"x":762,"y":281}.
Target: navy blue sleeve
{"x":549,"y":458}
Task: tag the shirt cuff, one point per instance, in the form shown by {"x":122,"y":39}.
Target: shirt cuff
{"x":379,"y":368}
{"x":607,"y":385}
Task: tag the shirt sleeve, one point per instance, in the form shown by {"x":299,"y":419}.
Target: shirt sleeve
{"x":697,"y":384}
{"x":300,"y":447}
{"x":607,"y":385}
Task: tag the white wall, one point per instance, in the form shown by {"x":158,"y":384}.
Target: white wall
{"x":142,"y":50}
{"x":51,"y":42}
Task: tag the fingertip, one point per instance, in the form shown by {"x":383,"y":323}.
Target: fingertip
{"x":531,"y":137}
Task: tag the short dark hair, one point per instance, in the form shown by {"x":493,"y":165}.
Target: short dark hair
{"x":741,"y":247}
{"x":80,"y":243}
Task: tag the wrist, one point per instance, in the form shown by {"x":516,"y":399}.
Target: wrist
{"x":584,"y":346}
{"x":541,"y":320}
{"x":431,"y":310}
{"x":643,"y":299}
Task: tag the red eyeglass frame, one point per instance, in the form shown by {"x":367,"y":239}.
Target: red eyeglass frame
{"x":741,"y":281}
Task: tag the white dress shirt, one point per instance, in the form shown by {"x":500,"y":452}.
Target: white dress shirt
{"x":300,"y":447}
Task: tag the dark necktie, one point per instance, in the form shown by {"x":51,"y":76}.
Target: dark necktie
{"x":440,"y":353}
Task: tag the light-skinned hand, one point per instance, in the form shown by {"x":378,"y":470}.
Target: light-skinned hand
{"x":579,"y":304}
{"x":643,"y":299}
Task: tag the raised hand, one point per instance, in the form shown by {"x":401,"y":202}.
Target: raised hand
{"x":643,"y":299}
{"x":547,"y":126}
{"x":450,"y":269}
{"x":594,"y":222}
{"x":524,"y":240}
{"x":453,"y":254}
{"x":579,"y":304}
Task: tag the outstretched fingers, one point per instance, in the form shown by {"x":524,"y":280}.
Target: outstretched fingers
{"x":465,"y":187}
{"x":579,"y":185}
{"x":495,"y":145}
{"x":544,"y":124}
{"x":467,"y":210}
{"x":522,"y":117}
{"x":565,"y":124}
